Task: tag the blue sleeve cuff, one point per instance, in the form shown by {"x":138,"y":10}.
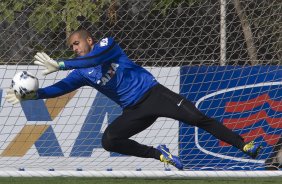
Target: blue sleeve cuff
{"x":61,"y":65}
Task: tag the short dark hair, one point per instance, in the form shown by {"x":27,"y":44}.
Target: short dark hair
{"x":82,"y":32}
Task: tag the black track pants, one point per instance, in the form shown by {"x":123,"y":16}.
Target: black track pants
{"x":159,"y":102}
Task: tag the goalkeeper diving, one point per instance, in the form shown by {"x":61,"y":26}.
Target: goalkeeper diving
{"x":105,"y":67}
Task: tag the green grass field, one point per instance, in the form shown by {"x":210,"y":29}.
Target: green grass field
{"x":72,"y":180}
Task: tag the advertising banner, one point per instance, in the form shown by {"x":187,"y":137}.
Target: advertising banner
{"x":246,"y":99}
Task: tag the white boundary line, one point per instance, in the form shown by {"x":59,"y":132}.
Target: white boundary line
{"x":142,"y":174}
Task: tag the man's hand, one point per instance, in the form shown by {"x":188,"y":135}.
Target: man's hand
{"x":42,"y":59}
{"x":13,"y":98}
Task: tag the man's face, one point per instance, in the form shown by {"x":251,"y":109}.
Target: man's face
{"x":80,"y":45}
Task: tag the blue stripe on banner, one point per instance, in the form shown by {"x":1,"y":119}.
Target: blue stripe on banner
{"x":90,"y":135}
{"x":35,"y":110}
{"x":1,"y":92}
{"x":48,"y":145}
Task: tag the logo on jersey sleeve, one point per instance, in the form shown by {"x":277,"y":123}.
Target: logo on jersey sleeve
{"x":104,"y":42}
{"x":109,"y":74}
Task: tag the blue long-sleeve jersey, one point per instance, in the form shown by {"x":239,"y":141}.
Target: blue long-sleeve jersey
{"x":107,"y":69}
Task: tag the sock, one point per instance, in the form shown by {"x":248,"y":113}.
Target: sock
{"x":161,"y":158}
{"x":158,"y":155}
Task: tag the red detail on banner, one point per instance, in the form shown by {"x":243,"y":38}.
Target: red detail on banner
{"x":253,"y":134}
{"x":240,"y":123}
{"x":253,"y":103}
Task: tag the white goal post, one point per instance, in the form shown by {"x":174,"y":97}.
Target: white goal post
{"x":224,"y":56}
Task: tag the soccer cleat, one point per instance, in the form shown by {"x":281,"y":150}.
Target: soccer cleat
{"x":168,"y":158}
{"x":252,"y":149}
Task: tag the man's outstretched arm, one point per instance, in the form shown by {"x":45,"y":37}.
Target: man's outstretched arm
{"x":62,"y":87}
{"x":105,"y":50}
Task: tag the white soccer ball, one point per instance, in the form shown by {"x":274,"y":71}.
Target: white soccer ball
{"x":24,"y":83}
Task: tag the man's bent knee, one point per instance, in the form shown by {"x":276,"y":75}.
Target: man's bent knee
{"x":108,"y":143}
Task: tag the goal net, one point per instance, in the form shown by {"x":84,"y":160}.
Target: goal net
{"x":224,"y":56}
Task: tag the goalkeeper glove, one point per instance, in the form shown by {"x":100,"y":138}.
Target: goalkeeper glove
{"x":42,"y":59}
{"x":13,"y":98}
